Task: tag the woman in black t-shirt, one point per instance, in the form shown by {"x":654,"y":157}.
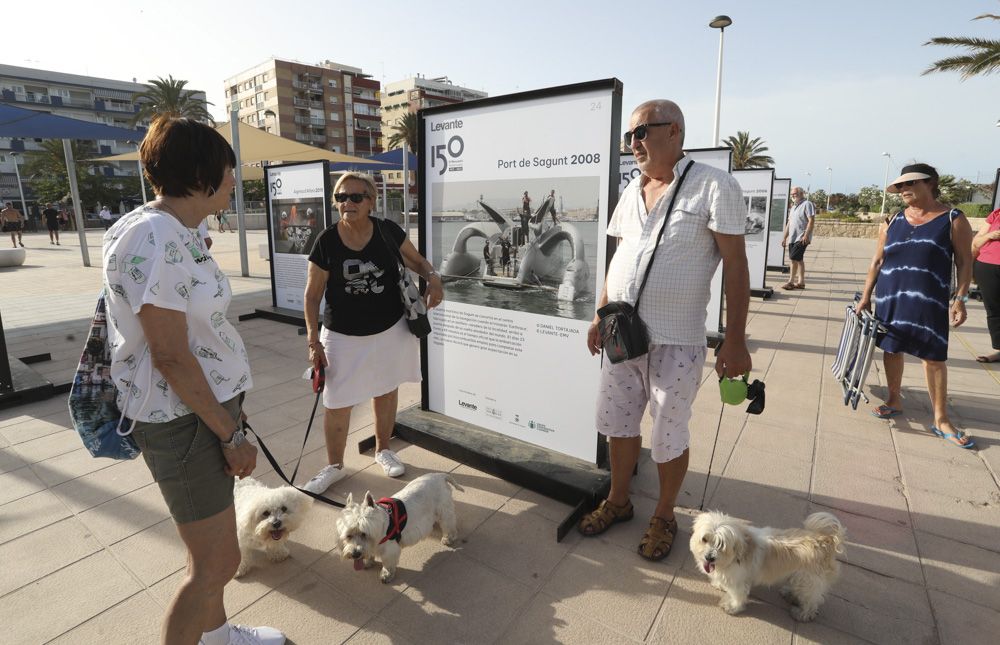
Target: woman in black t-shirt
{"x":365,"y":345}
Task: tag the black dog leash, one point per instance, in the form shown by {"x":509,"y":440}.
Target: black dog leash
{"x":318,"y":384}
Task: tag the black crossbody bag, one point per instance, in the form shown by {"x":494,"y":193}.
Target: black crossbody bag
{"x":623,"y":334}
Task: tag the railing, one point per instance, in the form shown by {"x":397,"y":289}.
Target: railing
{"x":297,"y":102}
{"x":302,"y":85}
{"x":310,"y":138}
{"x":306,"y":120}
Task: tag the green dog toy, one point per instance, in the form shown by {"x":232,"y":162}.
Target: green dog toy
{"x":733,"y":390}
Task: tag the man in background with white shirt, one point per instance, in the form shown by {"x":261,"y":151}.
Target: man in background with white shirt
{"x":707,"y":223}
{"x":798,"y":235}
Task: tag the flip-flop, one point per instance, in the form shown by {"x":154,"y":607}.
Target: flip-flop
{"x":788,"y":286}
{"x":885,"y":412}
{"x":799,"y":286}
{"x":958,"y":435}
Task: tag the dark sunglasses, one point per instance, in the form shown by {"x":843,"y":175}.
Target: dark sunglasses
{"x":640,"y":131}
{"x":357,"y":198}
{"x":906,"y":183}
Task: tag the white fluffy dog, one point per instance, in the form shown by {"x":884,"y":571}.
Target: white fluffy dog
{"x":264,"y":519}
{"x":737,"y":556}
{"x":375,"y":530}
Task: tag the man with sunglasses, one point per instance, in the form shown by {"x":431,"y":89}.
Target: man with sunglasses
{"x":798,"y":235}
{"x":705,"y":225}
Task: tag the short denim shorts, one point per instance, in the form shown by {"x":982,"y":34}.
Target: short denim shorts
{"x":186,"y":460}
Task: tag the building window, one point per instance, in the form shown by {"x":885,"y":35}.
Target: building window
{"x":332,"y":83}
{"x":334,"y":116}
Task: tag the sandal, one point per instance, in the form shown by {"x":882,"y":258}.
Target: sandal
{"x":601,"y":518}
{"x":658,"y":539}
{"x":955,"y":438}
{"x":788,"y":286}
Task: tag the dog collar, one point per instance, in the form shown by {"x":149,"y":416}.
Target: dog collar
{"x":397,"y":518}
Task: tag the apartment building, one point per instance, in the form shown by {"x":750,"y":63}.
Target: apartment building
{"x":88,"y":98}
{"x":412,"y":94}
{"x":327,"y":105}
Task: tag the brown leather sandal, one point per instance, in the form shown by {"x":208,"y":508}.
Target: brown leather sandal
{"x":659,"y":539}
{"x":601,"y":518}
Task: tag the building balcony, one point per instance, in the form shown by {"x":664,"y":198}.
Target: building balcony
{"x":305,"y":103}
{"x":307,"y":85}
{"x":305,"y":120}
{"x":310,"y":138}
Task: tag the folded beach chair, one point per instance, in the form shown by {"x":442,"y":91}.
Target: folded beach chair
{"x":855,"y":354}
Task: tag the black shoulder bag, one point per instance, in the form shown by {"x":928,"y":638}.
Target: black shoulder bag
{"x":623,"y":334}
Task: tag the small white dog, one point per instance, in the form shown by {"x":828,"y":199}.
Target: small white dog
{"x":377,"y":530}
{"x":737,"y":556}
{"x":264,"y":519}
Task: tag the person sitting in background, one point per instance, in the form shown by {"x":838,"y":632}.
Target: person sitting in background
{"x":986,"y":268}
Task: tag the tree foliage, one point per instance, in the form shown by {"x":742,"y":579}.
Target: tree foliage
{"x":404,"y":130}
{"x":168,"y":97}
{"x":982,"y":55}
{"x":45,"y":169}
{"x":747,"y":152}
{"x":818,"y":198}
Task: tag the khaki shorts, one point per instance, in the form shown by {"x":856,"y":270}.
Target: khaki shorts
{"x":187,"y":464}
{"x":666,"y":379}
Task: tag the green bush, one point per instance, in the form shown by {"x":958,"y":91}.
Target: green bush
{"x":974,"y":210}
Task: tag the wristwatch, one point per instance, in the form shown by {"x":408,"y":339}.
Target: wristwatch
{"x":235,"y":441}
{"x":962,"y":299}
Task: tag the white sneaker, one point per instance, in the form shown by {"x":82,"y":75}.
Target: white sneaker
{"x":390,"y":463}
{"x":325,"y":478}
{"x":243,"y":635}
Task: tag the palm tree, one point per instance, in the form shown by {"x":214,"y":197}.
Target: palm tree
{"x":48,"y":166}
{"x":168,"y":97}
{"x":747,"y":152}
{"x":982,"y":57}
{"x":405,"y":131}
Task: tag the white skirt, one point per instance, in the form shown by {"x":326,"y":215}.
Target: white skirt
{"x":362,"y":367}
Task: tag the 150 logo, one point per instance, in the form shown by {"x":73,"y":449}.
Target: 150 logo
{"x":452,"y":150}
{"x":276,"y":187}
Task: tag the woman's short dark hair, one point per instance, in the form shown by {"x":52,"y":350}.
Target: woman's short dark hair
{"x":926,"y":169}
{"x":180,"y":155}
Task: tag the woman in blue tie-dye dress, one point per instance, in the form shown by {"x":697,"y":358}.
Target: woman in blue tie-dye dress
{"x":912,"y":269}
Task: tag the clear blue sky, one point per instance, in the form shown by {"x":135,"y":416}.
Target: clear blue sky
{"x":825,"y":84}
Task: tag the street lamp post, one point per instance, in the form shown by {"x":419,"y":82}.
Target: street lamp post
{"x":885,"y":182}
{"x":808,"y":182}
{"x":720,"y":23}
{"x":830,"y":191}
{"x":20,"y":189}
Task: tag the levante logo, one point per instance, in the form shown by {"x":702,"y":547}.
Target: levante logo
{"x":448,"y":154}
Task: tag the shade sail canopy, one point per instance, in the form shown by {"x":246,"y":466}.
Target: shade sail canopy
{"x":33,"y":124}
{"x":389,"y":160}
{"x":257,"y":145}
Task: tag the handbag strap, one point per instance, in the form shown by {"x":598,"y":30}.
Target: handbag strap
{"x":659,"y":236}
{"x":393,"y":248}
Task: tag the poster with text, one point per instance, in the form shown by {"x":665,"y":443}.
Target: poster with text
{"x":776,"y":229}
{"x":756,"y":185}
{"x":297,"y":211}
{"x":515,"y":204}
{"x":718,"y":158}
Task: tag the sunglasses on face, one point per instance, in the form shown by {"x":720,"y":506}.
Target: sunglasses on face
{"x":640,"y":131}
{"x":357,"y":198}
{"x":901,"y":184}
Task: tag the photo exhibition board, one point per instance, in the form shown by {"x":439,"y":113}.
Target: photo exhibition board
{"x":515,"y":203}
{"x":720,"y":158}
{"x":756,"y":185}
{"x":996,"y":191}
{"x":779,"y":215}
{"x":298,"y":202}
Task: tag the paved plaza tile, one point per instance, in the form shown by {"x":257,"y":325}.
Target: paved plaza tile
{"x":90,"y":555}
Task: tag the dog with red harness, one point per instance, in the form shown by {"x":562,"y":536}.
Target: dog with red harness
{"x":378,"y":530}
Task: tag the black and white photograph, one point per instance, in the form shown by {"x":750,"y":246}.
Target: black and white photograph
{"x":296,"y":224}
{"x":524,"y":244}
{"x":756,"y":215}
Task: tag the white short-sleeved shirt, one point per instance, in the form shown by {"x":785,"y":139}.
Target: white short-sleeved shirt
{"x":150,"y":257}
{"x":676,"y":296}
{"x":798,"y":219}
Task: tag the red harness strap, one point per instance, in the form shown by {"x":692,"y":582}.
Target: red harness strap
{"x":397,"y":518}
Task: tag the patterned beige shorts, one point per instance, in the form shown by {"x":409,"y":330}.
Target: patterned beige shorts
{"x":667,"y":378}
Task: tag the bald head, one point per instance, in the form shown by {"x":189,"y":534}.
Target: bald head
{"x":663,"y":110}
